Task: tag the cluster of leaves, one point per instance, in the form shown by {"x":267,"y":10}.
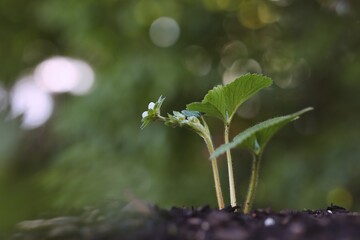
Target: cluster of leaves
{"x":222,"y":102}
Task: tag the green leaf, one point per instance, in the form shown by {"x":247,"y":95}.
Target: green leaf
{"x":223,"y":101}
{"x":255,"y":138}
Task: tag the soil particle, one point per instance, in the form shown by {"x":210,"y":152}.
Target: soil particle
{"x":203,"y":223}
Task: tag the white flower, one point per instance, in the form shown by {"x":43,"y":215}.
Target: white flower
{"x":152,"y":113}
{"x":145,"y":114}
{"x":151,"y":105}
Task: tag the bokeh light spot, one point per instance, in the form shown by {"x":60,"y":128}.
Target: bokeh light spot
{"x":342,"y":8}
{"x":250,"y":108}
{"x":248,"y":15}
{"x":86,"y":79}
{"x":286,"y":71}
{"x":62,"y":74}
{"x":164,"y":32}
{"x":241,"y":67}
{"x":340,"y":196}
{"x":233,"y":51}
{"x":267,"y":14}
{"x":32,"y":102}
{"x":197,"y":60}
{"x":256,"y":14}
{"x":223,"y":4}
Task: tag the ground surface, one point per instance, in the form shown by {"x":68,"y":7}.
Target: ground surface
{"x":142,"y":222}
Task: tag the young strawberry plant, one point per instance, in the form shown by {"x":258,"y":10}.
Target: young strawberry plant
{"x":193,"y":121}
{"x":255,"y":139}
{"x":222,"y":102}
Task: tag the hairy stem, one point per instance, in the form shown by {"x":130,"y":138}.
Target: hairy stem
{"x":215,"y":171}
{"x":253,"y":183}
{"x":162,"y":118}
{"x":230,"y":168}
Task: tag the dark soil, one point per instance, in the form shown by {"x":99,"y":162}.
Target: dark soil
{"x":204,"y":223}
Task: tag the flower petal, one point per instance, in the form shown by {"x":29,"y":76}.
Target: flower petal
{"x":151,"y":105}
{"x":145,"y":114}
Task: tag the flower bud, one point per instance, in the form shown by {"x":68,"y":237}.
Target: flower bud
{"x":151,"y":105}
{"x":145,"y":114}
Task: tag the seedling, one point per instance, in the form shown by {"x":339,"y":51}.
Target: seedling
{"x":222,"y":102}
{"x":255,"y":139}
{"x":191,"y":120}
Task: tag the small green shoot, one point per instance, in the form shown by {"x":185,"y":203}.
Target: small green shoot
{"x":255,"y":140}
{"x":222,"y":102}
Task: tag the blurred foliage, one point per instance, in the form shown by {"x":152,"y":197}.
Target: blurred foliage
{"x":92,"y":148}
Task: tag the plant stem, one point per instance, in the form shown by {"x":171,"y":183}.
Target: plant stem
{"x":162,"y":118}
{"x":215,"y":170}
{"x":230,"y":168}
{"x":253,"y":183}
{"x":203,"y":131}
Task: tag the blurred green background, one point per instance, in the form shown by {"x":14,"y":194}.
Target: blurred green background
{"x":75,"y":77}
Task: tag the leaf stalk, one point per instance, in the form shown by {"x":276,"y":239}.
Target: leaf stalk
{"x":253,"y":183}
{"x":215,"y":171}
{"x":230,"y":168}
